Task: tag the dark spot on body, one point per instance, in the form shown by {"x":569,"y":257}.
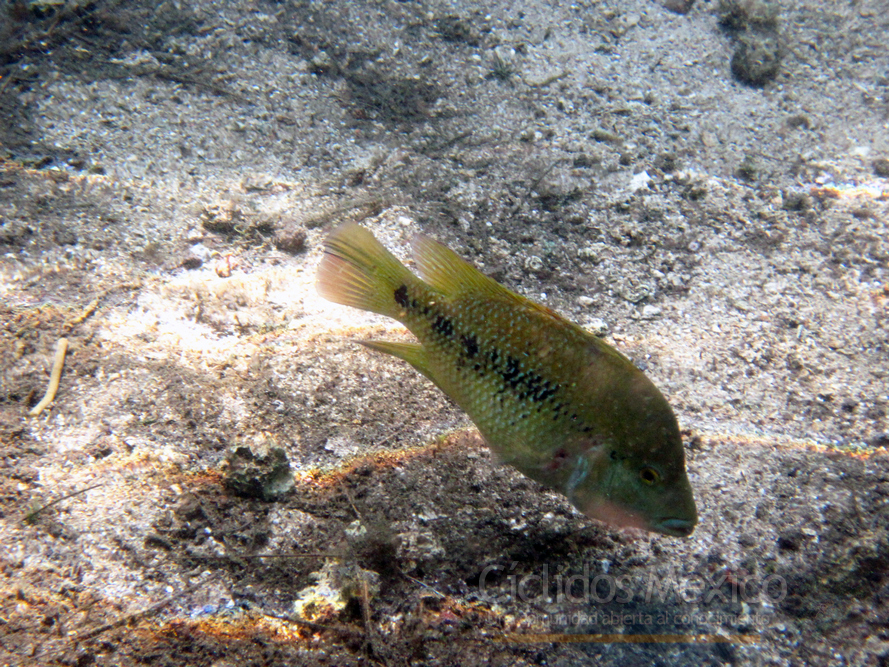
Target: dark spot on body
{"x":400,"y":295}
{"x":470,"y":344}
{"x":443,"y":326}
{"x":546,"y":391}
{"x":527,"y":385}
{"x":510,"y":372}
{"x":403,"y":300}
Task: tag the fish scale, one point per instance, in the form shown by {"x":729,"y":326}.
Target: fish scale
{"x":502,"y":386}
{"x":550,"y":399}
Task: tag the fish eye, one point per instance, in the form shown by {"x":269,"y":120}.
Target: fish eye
{"x":649,"y":475}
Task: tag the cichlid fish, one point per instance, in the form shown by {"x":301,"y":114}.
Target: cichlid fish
{"x":551,"y":399}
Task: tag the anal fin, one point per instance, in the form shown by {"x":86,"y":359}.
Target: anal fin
{"x":412,"y":353}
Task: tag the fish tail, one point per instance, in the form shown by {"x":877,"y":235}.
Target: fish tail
{"x":358,"y":271}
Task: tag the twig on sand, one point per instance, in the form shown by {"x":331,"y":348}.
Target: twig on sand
{"x":54,"y":377}
{"x":31,"y":516}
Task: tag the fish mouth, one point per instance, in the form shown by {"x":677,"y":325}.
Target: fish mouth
{"x":674,"y":526}
{"x":618,"y":516}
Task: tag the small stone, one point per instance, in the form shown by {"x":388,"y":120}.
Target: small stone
{"x":589,"y":253}
{"x":756,"y":59}
{"x":640,"y":181}
{"x":650,"y":312}
{"x":194,"y":235}
{"x":65,"y":236}
{"x":790,"y":540}
{"x":746,"y":540}
{"x":321,"y":63}
{"x":534,"y":263}
{"x":624,"y":23}
{"x":799,"y":121}
{"x":585,"y":301}
{"x":739,"y":15}
{"x":606,"y":136}
{"x":192,"y":262}
{"x":224,"y":266}
{"x":259,"y":470}
{"x":597,"y":326}
{"x":881,"y":167}
{"x":221,"y":217}
{"x":678,"y":6}
{"x":291,"y":238}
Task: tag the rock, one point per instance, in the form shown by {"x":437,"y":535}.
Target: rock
{"x":458,"y":29}
{"x":191,"y":262}
{"x":65,"y":236}
{"x":640,"y":181}
{"x":221,"y":217}
{"x":650,"y":312}
{"x":291,"y":238}
{"x":597,"y":326}
{"x":678,"y":6}
{"x":746,"y":540}
{"x":756,"y":59}
{"x":790,"y":540}
{"x":534,"y":263}
{"x":259,"y":470}
{"x":881,"y":167}
{"x":195,"y":257}
{"x":337,"y":584}
{"x":739,"y":15}
{"x":417,"y":546}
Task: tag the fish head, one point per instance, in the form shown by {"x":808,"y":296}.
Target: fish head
{"x":636,"y":492}
{"x":645,"y":494}
{"x":635,"y":476}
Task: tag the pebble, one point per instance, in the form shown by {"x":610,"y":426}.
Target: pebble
{"x":650,"y":312}
{"x":533,"y":263}
{"x":757,"y":59}
{"x":639,"y":181}
{"x":290,"y":239}
{"x":258,"y":470}
{"x":597,"y":326}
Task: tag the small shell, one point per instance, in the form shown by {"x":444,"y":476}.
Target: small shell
{"x":224,"y":266}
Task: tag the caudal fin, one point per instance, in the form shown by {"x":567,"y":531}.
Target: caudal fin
{"x":358,"y":271}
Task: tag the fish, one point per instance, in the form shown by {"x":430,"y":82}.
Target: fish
{"x":550,"y":399}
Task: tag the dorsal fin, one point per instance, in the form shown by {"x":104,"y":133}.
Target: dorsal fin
{"x":449,"y":273}
{"x":453,"y":276}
